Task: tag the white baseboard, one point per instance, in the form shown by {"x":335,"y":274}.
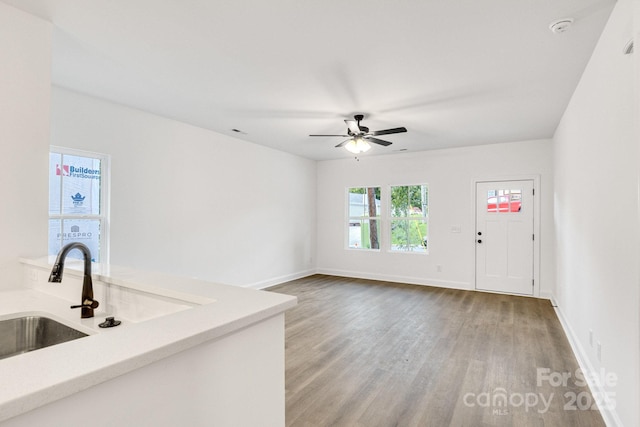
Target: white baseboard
{"x":280,"y":279}
{"x":397,"y":279}
{"x":449,"y":284}
{"x":608,"y":412}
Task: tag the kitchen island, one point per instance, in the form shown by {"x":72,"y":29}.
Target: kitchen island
{"x":188,"y":352}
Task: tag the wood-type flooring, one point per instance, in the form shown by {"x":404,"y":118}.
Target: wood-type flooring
{"x":370,"y":353}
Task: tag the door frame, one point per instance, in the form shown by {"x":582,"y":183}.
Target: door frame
{"x":536,"y":225}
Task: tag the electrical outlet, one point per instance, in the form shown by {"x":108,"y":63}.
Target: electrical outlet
{"x":599,"y":351}
{"x":591,"y":337}
{"x":439,"y":268}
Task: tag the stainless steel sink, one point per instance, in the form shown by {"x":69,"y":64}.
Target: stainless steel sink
{"x":29,"y":333}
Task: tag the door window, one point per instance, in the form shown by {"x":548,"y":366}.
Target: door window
{"x":506,"y":201}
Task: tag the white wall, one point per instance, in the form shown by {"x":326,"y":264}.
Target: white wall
{"x":25,"y":85}
{"x":188,"y":201}
{"x":450,"y":175}
{"x":596,"y":215}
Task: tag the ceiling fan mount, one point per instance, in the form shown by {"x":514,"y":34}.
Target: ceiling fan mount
{"x":363,"y":129}
{"x":360,"y":136}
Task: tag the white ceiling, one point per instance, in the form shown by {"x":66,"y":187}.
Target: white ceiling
{"x":453,"y":72}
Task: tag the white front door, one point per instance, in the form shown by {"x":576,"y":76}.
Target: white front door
{"x":504,"y":236}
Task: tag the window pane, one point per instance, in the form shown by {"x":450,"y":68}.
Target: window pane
{"x":400,"y":201}
{"x":55,"y":175}
{"x":425,"y":199}
{"x":363,"y":234}
{"x":492,"y":201}
{"x":418,"y":200}
{"x":373,"y":201}
{"x":409,"y":235}
{"x":515,"y":199}
{"x":357,"y":199}
{"x":364,"y":202}
{"x":80,"y":185}
{"x":85,"y":231}
{"x":409,"y":200}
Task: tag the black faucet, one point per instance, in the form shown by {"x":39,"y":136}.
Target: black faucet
{"x":88,"y":303}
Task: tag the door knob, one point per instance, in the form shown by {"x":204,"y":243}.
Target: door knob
{"x":479,"y":241}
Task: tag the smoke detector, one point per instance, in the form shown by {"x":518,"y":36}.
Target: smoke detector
{"x":561,"y":25}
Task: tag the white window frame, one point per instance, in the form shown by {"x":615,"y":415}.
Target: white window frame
{"x":105,"y":181}
{"x":390,"y":218}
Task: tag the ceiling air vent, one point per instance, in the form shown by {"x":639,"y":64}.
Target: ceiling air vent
{"x":628,"y":48}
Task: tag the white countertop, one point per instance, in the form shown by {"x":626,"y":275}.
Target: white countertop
{"x":39,"y":377}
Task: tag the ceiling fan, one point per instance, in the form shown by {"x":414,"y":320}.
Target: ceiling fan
{"x":359,"y":136}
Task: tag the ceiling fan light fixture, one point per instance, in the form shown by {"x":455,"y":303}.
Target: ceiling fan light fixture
{"x":357,"y":145}
{"x":361,"y":137}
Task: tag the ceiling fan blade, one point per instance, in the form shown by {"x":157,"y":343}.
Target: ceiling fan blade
{"x":344,"y":136}
{"x":353,"y":126}
{"x":343,"y":143}
{"x":377,"y":141}
{"x":388,"y":131}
